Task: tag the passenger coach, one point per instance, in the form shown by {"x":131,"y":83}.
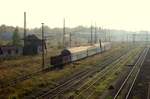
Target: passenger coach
{"x":69,"y":55}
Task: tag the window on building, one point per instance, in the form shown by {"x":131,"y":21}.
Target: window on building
{"x":17,"y":51}
{"x":1,"y":52}
{"x":9,"y":51}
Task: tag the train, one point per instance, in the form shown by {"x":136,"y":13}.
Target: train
{"x":69,"y":55}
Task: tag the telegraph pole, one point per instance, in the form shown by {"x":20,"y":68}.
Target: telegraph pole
{"x":105,"y":35}
{"x":95,"y":34}
{"x":127,"y":40}
{"x":109,"y":36}
{"x":146,"y":38}
{"x":43,"y":63}
{"x":91,"y":35}
{"x":134,"y":38}
{"x":64,"y":33}
{"x":100,"y":44}
{"x":99,"y":32}
{"x":24,"y":27}
{"x":70,"y":39}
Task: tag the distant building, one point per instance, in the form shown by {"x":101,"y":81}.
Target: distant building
{"x":10,"y":51}
{"x":33,"y":45}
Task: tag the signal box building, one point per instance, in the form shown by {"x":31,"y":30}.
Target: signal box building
{"x":33,"y":45}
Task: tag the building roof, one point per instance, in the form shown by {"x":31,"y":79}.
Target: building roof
{"x":33,"y":40}
{"x":8,"y":47}
{"x":31,"y":37}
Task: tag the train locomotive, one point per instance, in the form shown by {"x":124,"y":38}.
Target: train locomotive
{"x":69,"y":55}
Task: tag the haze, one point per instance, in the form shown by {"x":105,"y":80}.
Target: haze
{"x":113,"y":14}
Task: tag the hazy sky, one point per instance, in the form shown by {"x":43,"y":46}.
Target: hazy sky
{"x":116,"y":14}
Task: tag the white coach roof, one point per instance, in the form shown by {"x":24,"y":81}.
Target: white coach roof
{"x":78,"y":49}
{"x":85,"y":48}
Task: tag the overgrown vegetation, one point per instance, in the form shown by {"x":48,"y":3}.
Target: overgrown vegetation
{"x":113,"y":75}
{"x":47,"y":79}
{"x":16,"y":39}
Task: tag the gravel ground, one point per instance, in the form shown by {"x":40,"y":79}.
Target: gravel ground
{"x":109,"y":94}
{"x":141,"y":87}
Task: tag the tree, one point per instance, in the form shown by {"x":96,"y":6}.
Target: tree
{"x":16,"y":40}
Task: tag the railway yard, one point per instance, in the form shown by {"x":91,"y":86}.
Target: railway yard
{"x":118,"y":73}
{"x":141,"y":88}
{"x":75,"y":49}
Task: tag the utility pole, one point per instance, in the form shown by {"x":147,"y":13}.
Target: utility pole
{"x":95,"y":34}
{"x":64,"y":34}
{"x":109,"y":36}
{"x":24,"y":27}
{"x":43,"y":63}
{"x":134,"y":38}
{"x":100,"y":42}
{"x":99,"y":32}
{"x":127,"y":40}
{"x":105,"y":35}
{"x":70,"y":39}
{"x":147,"y":38}
{"x":91,"y":35}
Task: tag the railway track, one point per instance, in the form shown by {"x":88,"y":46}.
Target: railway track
{"x":113,"y":68}
{"x":77,"y":79}
{"x":128,"y":83}
{"x":14,"y":82}
{"x":148,"y":93}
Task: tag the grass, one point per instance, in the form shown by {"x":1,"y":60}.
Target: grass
{"x":11,"y":69}
{"x":107,"y":78}
{"x":48,"y":79}
{"x":113,"y":76}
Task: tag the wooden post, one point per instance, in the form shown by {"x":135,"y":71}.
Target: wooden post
{"x":95,"y":34}
{"x":70,"y":39}
{"x":43,"y":63}
{"x":91,"y":35}
{"x":100,"y":44}
{"x":146,"y":39}
{"x":24,"y":27}
{"x":134,"y":38}
{"x":64,"y":33}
